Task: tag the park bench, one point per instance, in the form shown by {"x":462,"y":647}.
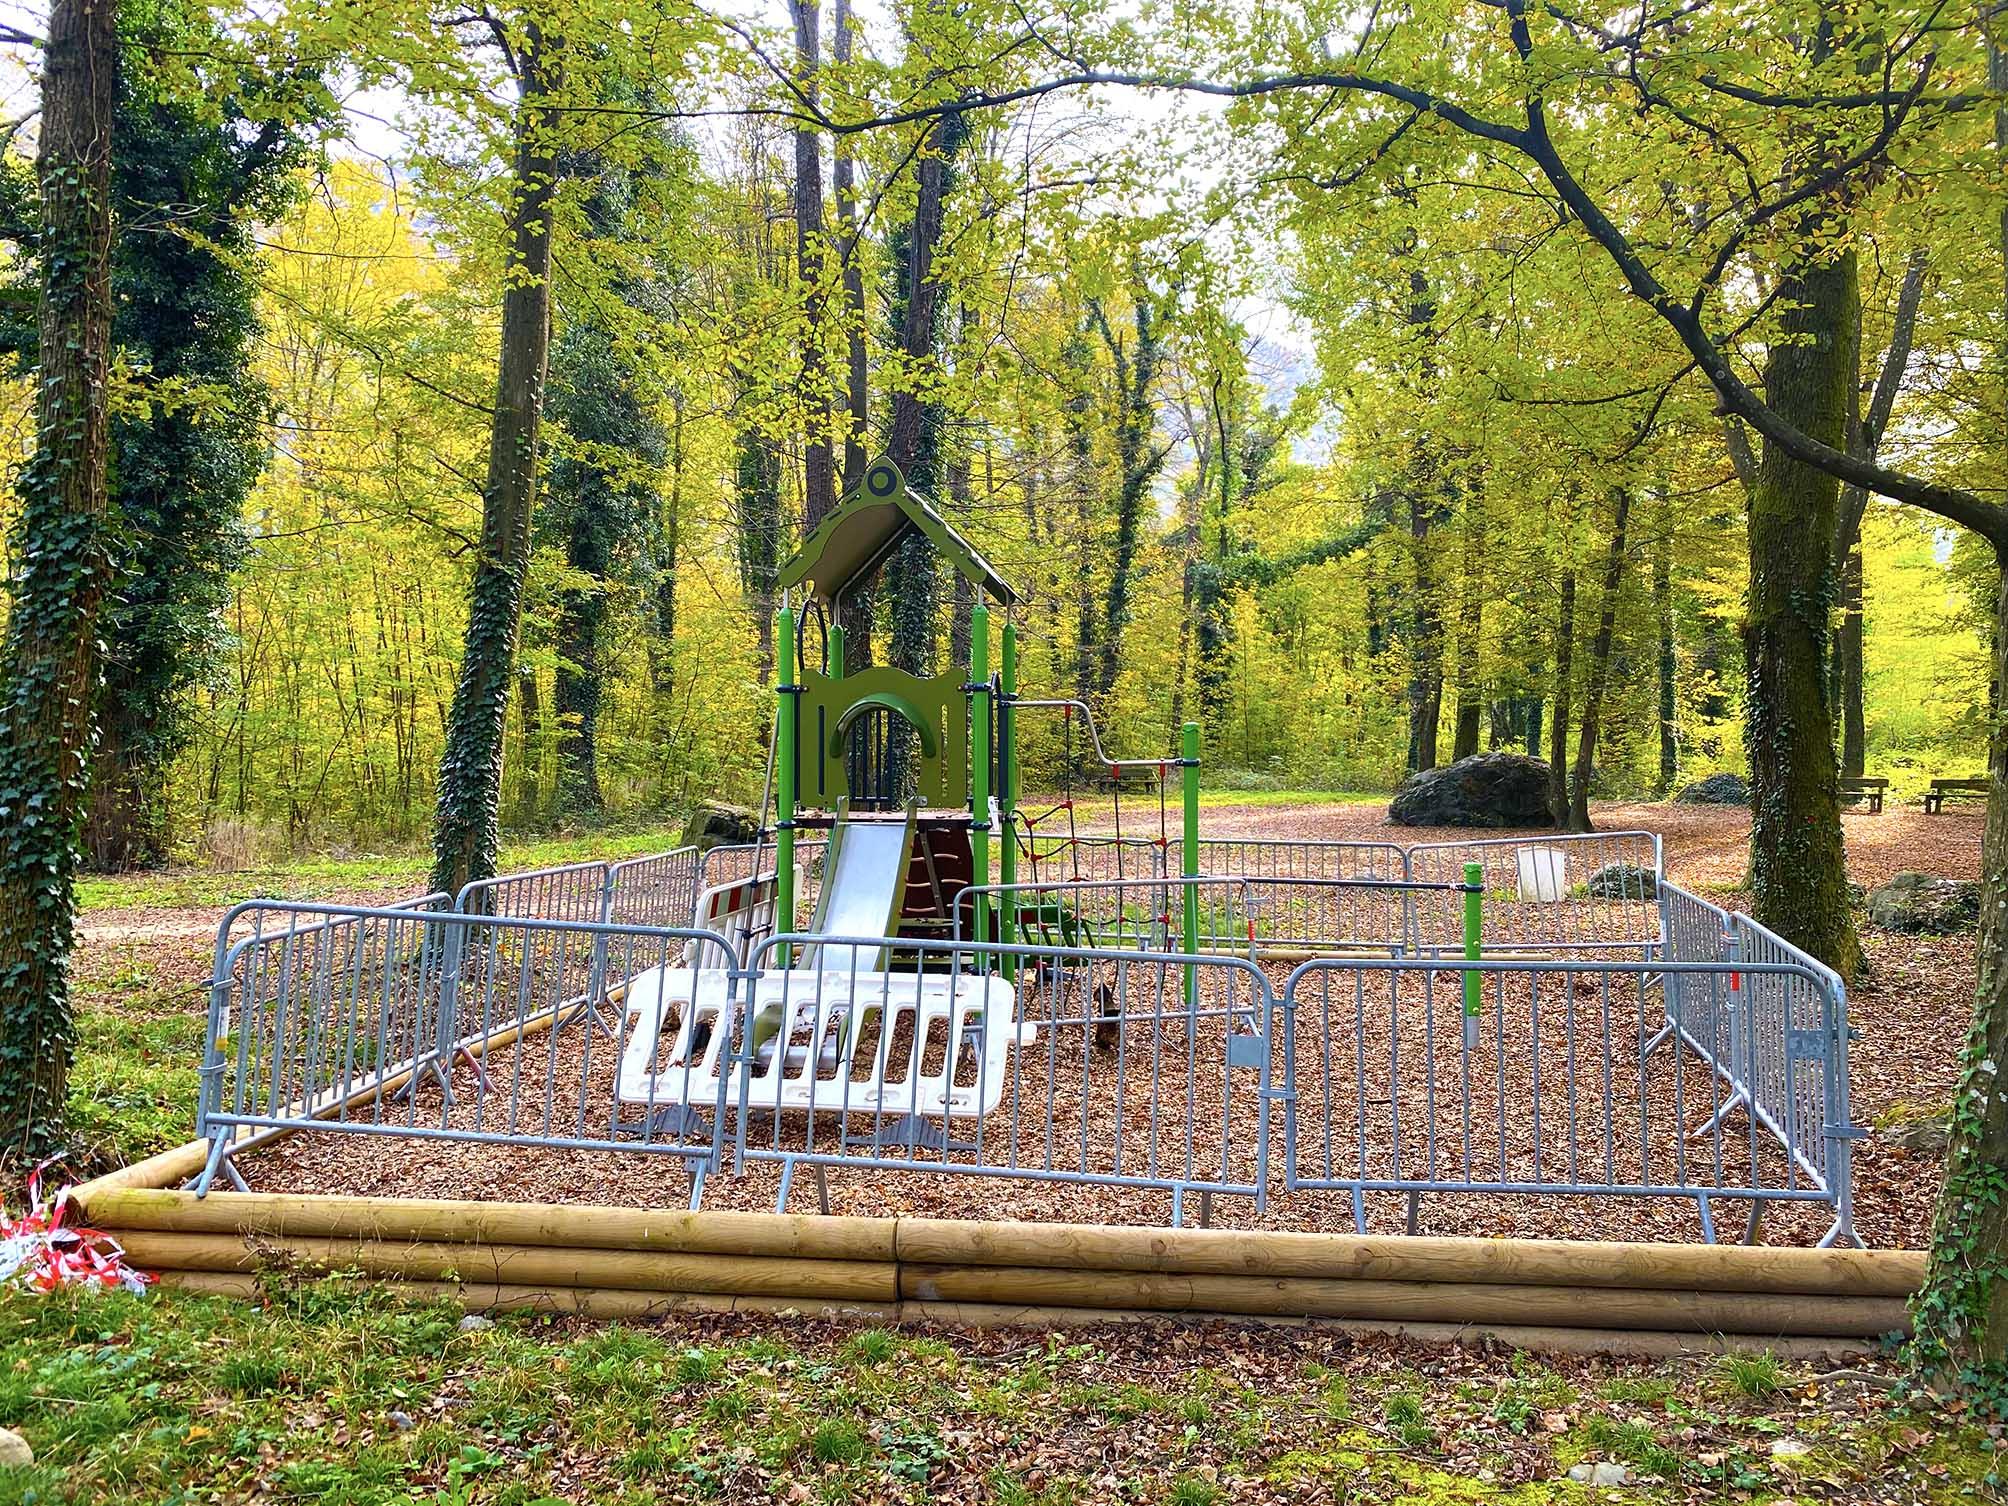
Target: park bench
{"x":1953,"y":789}
{"x":1867,"y":791}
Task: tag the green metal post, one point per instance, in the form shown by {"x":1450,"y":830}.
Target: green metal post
{"x":1007,"y":787}
{"x":979,"y":760}
{"x":786,"y":751}
{"x":1474,"y":925}
{"x":836,"y":651}
{"x":1188,"y":851}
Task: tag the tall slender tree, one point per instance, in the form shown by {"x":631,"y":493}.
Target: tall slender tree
{"x":51,"y":665}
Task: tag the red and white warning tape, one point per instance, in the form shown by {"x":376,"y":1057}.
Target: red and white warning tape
{"x":41,"y":1250}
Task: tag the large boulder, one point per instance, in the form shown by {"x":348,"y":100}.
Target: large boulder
{"x":1716,"y":789}
{"x":715,"y":824}
{"x":1925,"y":904}
{"x":1486,"y":789}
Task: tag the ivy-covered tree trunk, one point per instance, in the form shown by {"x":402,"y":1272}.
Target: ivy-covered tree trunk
{"x":467,"y":827}
{"x":1798,"y":866}
{"x":819,"y":482}
{"x":1597,"y":676}
{"x":64,"y":549}
{"x":1961,"y":1315}
{"x":1138,"y":459}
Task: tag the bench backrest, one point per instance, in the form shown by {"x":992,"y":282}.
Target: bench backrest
{"x":1977,"y":785}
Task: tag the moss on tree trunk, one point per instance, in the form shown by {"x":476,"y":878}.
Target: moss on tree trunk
{"x":1798,"y":866}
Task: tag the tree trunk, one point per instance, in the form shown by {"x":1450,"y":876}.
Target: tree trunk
{"x":1961,"y":1316}
{"x":1798,"y":867}
{"x":757,"y":496}
{"x":1138,"y":460}
{"x":49,"y":680}
{"x":530,"y":724}
{"x":578,"y":688}
{"x":1669,"y":663}
{"x":1854,"y":724}
{"x":857,"y":375}
{"x":1470,"y":630}
{"x":1558,"y":721}
{"x":1598,"y":674}
{"x":466,"y":832}
{"x":819,"y":483}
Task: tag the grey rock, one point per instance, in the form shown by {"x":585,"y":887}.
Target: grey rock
{"x":1716,"y":789}
{"x":716,"y":824}
{"x":475,"y":1322}
{"x":402,"y":1421}
{"x":1789,"y":1447}
{"x":1622,"y":881}
{"x":1923,"y":1137}
{"x":14,"y":1450}
{"x":1925,"y":905}
{"x":1485,"y":790}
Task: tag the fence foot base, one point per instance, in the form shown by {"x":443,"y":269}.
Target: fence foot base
{"x":1359,"y":1210}
{"x":910,"y":1133}
{"x":1843,"y":1232}
{"x":1754,"y":1225}
{"x":219,"y":1150}
{"x":678,"y":1122}
{"x":697,"y":1173}
{"x":1707,"y":1219}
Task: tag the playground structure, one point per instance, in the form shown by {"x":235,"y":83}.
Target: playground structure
{"x":914,"y":986}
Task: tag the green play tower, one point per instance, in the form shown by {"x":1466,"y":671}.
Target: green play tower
{"x":912,"y":776}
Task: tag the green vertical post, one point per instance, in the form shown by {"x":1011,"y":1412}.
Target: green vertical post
{"x":1474,"y":925}
{"x":979,"y":761}
{"x":836,"y":655}
{"x":1007,"y":787}
{"x":786,"y":749}
{"x":1188,"y":850}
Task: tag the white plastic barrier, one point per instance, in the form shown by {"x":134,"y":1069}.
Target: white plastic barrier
{"x":940,"y":1046}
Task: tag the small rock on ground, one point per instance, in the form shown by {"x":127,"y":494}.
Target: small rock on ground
{"x":14,"y":1450}
{"x":1603,"y":1473}
{"x":475,"y":1322}
{"x":1790,"y":1448}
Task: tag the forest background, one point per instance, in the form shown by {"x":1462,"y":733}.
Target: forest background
{"x":1363,"y":478}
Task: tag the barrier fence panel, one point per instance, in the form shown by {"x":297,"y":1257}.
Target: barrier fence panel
{"x":1779,"y":1045}
{"x":434,"y":1025}
{"x":1275,"y":919}
{"x":1593,"y":893}
{"x":1551,"y":1085}
{"x":733,"y":864}
{"x":1092,"y":1068}
{"x":660,"y":890}
{"x":1371,"y":910}
{"x":1057,"y":857}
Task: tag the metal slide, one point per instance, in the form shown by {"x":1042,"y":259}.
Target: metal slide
{"x":864,"y":881}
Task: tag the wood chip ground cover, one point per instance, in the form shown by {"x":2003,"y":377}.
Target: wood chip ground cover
{"x":1076,"y":1105}
{"x":328,"y":1392}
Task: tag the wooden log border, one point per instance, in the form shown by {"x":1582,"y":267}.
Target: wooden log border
{"x":637,"y":1263}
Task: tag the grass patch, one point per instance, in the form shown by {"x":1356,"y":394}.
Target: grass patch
{"x":1754,"y":1377}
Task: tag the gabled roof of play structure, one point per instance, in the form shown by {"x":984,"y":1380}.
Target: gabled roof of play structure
{"x":862,"y":529}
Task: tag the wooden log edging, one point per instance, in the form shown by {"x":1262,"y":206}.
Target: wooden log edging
{"x":626,"y":1262}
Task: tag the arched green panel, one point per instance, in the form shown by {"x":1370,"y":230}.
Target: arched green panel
{"x":930,"y":745}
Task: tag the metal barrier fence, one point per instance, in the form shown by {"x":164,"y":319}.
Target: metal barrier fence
{"x":1090,"y":1067}
{"x":1561,"y":1088}
{"x":1594,"y":892}
{"x":426,"y":1025}
{"x":659,"y":890}
{"x":1776,"y":1042}
{"x":1094,"y":1052}
{"x":1275,"y":919}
